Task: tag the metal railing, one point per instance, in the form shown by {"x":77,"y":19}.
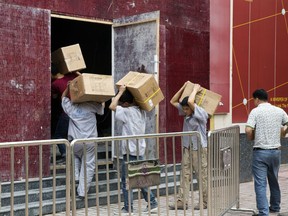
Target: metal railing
{"x":166,"y":192}
{"x":223,"y":166}
{"x":105,"y":190}
{"x":223,"y":171}
{"x":42,"y":145}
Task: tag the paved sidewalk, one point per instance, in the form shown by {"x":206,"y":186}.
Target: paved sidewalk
{"x":247,"y":202}
{"x":247,"y":194}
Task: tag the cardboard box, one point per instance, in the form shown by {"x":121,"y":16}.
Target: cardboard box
{"x":68,"y":59}
{"x":206,"y":99}
{"x":144,"y":89}
{"x":91,"y":87}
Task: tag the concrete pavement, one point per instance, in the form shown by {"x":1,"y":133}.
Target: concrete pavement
{"x":247,"y":202}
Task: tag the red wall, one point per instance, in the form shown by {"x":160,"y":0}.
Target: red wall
{"x":260,"y":50}
{"x":184,"y":55}
{"x":184,"y":38}
{"x":220,"y":52}
{"x":24,"y":84}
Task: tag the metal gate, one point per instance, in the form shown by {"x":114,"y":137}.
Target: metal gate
{"x":105,"y":196}
{"x":106,"y":193}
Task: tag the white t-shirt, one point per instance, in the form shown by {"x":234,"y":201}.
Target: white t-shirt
{"x":133,"y":121}
{"x":82,"y":123}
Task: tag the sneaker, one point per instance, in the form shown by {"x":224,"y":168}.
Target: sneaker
{"x":197,"y":207}
{"x":153,"y":209}
{"x":123,"y":211}
{"x":180,"y":205}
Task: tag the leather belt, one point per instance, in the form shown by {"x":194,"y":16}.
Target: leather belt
{"x":256,"y":149}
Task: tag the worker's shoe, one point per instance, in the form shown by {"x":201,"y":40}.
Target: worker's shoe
{"x":80,"y":197}
{"x":153,"y":208}
{"x":197,"y":207}
{"x":124,"y":211}
{"x":179,"y":205}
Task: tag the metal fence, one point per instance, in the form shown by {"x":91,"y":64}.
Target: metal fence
{"x":106,"y":192}
{"x":223,"y":170}
{"x":162,"y":178}
{"x":13,"y":147}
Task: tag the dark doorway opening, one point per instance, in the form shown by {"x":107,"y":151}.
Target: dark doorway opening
{"x":95,"y":42}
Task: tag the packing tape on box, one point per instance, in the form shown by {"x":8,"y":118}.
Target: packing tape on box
{"x":202,"y":97}
{"x":150,"y":96}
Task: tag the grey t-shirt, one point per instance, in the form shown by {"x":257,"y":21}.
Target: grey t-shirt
{"x":82,"y":123}
{"x":196,"y":122}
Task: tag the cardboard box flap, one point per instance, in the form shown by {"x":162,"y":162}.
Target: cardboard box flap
{"x":100,"y":84}
{"x":134,"y":79}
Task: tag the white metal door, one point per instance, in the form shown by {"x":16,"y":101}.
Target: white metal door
{"x":136,"y":48}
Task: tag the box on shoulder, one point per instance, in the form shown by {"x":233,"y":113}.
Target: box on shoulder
{"x":144,"y":88}
{"x":68,"y":59}
{"x":92,"y":87}
{"x":206,"y":99}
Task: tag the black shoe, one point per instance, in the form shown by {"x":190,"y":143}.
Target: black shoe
{"x":273,"y":211}
{"x":80,"y":197}
{"x":61,"y":160}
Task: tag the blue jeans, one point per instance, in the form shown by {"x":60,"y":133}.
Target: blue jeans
{"x":265,"y":165}
{"x":61,"y":131}
{"x":144,"y":190}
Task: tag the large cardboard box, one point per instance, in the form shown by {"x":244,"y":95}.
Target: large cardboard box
{"x":91,"y":87}
{"x":144,"y":89}
{"x":68,"y":59}
{"x":206,"y":99}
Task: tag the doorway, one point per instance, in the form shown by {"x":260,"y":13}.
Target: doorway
{"x":95,"y":43}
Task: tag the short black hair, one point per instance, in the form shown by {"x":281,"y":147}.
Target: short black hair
{"x":184,"y":101}
{"x":126,"y":97}
{"x":54,"y":69}
{"x":261,"y":94}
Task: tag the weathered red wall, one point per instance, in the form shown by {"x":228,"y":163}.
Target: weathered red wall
{"x":24,"y":84}
{"x":184,"y":52}
{"x":184,"y":56}
{"x":260,"y":49}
